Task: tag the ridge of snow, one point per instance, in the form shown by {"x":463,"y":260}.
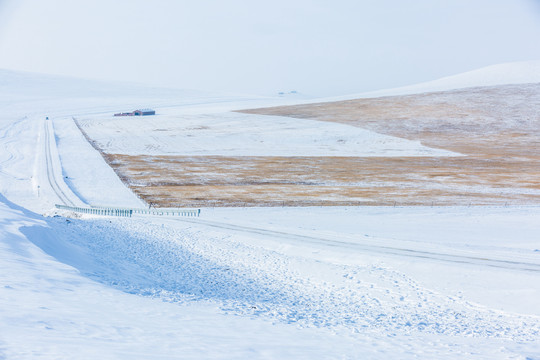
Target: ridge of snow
{"x":522,"y":72}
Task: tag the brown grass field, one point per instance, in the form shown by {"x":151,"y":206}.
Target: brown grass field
{"x":496,"y":128}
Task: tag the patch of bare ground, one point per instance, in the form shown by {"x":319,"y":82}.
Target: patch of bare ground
{"x":315,"y":181}
{"x":497,"y":128}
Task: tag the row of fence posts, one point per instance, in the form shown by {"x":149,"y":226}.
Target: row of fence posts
{"x":129,"y":212}
{"x":168,"y":212}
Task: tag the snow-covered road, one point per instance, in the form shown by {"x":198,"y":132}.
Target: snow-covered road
{"x":53,"y":168}
{"x":375,"y":245}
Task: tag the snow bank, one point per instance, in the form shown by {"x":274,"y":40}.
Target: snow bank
{"x":48,"y":310}
{"x":144,"y":287}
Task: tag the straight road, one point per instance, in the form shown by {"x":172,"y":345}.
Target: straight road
{"x":54,"y":174}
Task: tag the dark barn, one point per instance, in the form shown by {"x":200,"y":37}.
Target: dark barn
{"x":140,"y":112}
{"x":143,"y":112}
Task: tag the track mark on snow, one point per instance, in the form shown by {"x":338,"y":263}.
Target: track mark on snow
{"x":51,"y":178}
{"x":387,"y":250}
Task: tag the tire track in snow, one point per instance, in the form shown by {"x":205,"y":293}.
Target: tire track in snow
{"x":10,"y":146}
{"x":51,"y":178}
{"x":380,"y":249}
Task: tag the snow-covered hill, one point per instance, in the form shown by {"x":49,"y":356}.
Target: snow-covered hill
{"x":53,"y":95}
{"x":524,"y":72}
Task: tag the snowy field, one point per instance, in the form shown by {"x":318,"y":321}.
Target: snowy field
{"x":296,"y":283}
{"x":235,"y":134}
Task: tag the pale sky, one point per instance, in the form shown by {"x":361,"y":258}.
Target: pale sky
{"x":316,"y":47}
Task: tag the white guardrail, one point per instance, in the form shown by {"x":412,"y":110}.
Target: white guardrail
{"x":128,"y":212}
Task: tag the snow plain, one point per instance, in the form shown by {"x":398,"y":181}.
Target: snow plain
{"x":236,"y":134}
{"x":370,"y":283}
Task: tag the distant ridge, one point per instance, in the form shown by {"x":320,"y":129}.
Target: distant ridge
{"x":523,"y":72}
{"x":36,"y":85}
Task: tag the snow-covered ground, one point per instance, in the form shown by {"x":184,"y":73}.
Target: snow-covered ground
{"x":236,"y":134}
{"x":51,"y":310}
{"x":256,"y":284}
{"x":370,"y":283}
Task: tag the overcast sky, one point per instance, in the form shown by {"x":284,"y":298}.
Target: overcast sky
{"x":261,"y":47}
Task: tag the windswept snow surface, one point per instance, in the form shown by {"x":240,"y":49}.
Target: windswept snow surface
{"x":251,"y":283}
{"x":296,"y":283}
{"x":50,"y":310}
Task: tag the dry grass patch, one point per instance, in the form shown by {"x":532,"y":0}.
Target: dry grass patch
{"x":303,"y":181}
